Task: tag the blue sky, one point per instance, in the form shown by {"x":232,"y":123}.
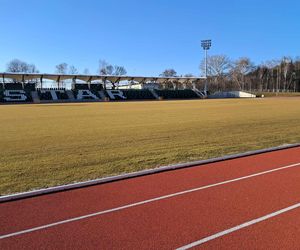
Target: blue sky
{"x":145,"y":36}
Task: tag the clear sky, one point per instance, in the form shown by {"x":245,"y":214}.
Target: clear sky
{"x":145,"y":36}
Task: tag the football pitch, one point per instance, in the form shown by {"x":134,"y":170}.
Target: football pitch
{"x":50,"y":144}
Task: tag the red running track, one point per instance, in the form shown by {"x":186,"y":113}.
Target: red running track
{"x":246,"y":189}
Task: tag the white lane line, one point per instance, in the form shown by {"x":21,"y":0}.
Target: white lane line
{"x":144,"y":202}
{"x":236,"y":228}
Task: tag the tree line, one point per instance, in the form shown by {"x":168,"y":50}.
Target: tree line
{"x":223,"y":73}
{"x":242,"y":74}
{"x":105,"y":68}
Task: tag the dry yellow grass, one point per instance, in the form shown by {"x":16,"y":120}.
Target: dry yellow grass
{"x":47,"y":145}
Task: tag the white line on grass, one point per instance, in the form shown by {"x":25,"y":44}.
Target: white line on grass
{"x":144,"y":202}
{"x":236,"y":228}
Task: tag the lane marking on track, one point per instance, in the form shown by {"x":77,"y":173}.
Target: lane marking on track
{"x":236,"y":228}
{"x":145,"y":202}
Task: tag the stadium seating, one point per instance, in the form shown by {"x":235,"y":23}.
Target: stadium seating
{"x":62,"y":95}
{"x":1,"y":92}
{"x":45,"y":95}
{"x":14,"y":92}
{"x":1,"y":95}
{"x":138,"y":94}
{"x":86,"y":95}
{"x":176,"y":94}
{"x":30,"y":86}
{"x":133,"y":94}
{"x":13,"y":86}
{"x":96,"y":87}
{"x":88,"y":91}
{"x":77,"y":86}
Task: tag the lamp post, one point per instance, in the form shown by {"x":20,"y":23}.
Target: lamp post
{"x":205,"y":44}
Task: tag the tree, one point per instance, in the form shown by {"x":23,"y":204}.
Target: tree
{"x":217,"y":65}
{"x":19,"y":66}
{"x":73,"y":70}
{"x":272,"y":66}
{"x":61,"y":68}
{"x":119,"y":70}
{"x":106,"y":68}
{"x":32,"y":68}
{"x":286,"y":64}
{"x":169,"y":73}
{"x":240,"y":68}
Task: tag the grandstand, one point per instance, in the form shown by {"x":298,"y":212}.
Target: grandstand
{"x":177,"y":94}
{"x":19,"y":87}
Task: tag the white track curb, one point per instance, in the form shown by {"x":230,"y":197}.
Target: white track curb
{"x":55,"y":189}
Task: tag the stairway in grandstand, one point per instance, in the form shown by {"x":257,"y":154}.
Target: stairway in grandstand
{"x":154,"y":93}
{"x":102,"y":96}
{"x":201,"y":94}
{"x":35,"y":97}
{"x":70,"y":95}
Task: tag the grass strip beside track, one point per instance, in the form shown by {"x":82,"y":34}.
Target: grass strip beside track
{"x":47,"y":145}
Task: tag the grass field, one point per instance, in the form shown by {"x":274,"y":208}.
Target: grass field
{"x":47,"y":145}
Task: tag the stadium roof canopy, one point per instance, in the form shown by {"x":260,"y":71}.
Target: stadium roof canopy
{"x":22,"y":77}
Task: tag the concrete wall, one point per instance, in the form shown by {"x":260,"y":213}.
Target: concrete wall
{"x":232,"y":94}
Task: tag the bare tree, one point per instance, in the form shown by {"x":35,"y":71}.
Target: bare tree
{"x":217,"y":65}
{"x":73,"y":70}
{"x":105,"y":68}
{"x":240,"y":68}
{"x":272,"y":66}
{"x":32,"y":68}
{"x":286,"y":64}
{"x":119,"y":70}
{"x":17,"y":65}
{"x":62,"y":68}
{"x":169,"y":73}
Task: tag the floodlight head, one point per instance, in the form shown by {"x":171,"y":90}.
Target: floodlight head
{"x":206,"y":44}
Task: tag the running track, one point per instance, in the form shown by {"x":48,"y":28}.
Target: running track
{"x":247,"y":203}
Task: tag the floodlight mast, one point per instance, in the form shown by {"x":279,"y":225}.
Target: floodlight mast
{"x":205,"y":44}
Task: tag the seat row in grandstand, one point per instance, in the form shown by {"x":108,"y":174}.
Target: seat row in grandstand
{"x":18,"y":86}
{"x":176,"y":94}
{"x":93,"y":86}
{"x":131,"y":94}
{"x":32,"y":86}
{"x":48,"y":96}
{"x":39,"y":89}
